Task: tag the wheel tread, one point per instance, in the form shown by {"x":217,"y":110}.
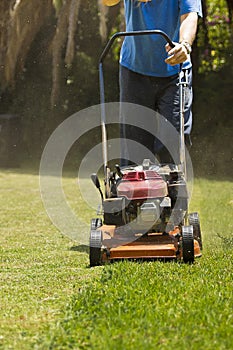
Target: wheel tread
{"x":194,"y":221}
{"x":188,"y":244}
{"x":95,"y":247}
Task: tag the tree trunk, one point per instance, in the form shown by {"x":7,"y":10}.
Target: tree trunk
{"x":59,"y":43}
{"x":230,"y":9}
{"x":73,"y":19}
{"x":5,"y":10}
{"x":19,"y":23}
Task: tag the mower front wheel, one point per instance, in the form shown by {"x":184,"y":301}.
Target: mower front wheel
{"x":188,"y":244}
{"x":95,"y":248}
{"x":194,"y":221}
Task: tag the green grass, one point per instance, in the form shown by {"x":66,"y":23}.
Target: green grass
{"x":152,"y":305}
{"x":40,"y":268}
{"x":50,"y":299}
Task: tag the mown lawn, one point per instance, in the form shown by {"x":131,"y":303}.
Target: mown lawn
{"x":51,"y":299}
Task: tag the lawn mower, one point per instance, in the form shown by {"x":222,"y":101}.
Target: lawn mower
{"x":145,"y":206}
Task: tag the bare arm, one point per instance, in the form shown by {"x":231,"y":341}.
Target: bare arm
{"x":188,"y":29}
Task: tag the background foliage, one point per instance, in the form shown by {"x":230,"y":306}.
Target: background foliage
{"x":49,"y":53}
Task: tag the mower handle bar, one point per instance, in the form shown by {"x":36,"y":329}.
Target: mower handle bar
{"x":101,"y":82}
{"x":133,"y":33}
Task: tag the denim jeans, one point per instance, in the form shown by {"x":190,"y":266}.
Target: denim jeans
{"x":158,"y":94}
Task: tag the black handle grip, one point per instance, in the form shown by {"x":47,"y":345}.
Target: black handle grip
{"x":134,"y":33}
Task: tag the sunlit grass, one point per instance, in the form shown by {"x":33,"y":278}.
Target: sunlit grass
{"x":40,"y":268}
{"x":51,"y":299}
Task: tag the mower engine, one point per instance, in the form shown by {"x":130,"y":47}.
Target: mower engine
{"x":143,"y":199}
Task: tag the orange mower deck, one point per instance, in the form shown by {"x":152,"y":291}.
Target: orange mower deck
{"x":150,"y":246}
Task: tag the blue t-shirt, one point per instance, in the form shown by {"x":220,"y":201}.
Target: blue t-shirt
{"x":146,"y":54}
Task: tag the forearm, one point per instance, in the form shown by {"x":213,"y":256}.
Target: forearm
{"x":188,"y":27}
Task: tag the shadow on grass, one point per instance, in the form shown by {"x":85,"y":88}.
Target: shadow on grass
{"x":82,"y":248}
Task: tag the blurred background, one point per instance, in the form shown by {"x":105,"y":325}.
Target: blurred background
{"x":49,"y":52}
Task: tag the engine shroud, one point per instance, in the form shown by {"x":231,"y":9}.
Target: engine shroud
{"x":146,"y":184}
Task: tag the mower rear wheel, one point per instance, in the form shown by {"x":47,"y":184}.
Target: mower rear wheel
{"x":95,"y":248}
{"x":194,"y":221}
{"x":188,"y":244}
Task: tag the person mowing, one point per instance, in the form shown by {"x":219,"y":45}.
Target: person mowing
{"x":149,"y":68}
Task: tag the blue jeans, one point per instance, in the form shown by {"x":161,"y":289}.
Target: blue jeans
{"x":159,"y":94}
